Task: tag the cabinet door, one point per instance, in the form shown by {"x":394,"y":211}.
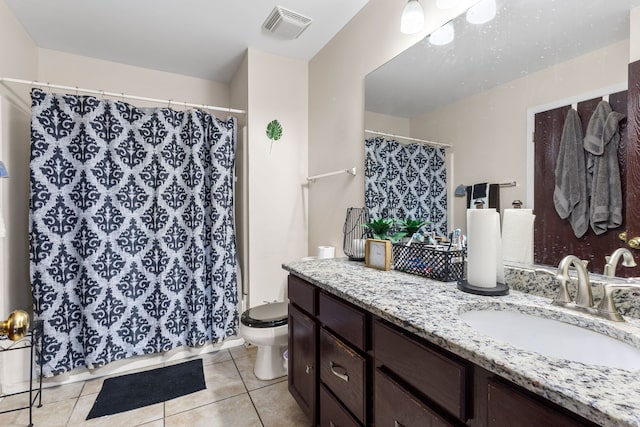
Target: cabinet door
{"x":394,"y":406}
{"x":508,"y":407}
{"x":302,"y":360}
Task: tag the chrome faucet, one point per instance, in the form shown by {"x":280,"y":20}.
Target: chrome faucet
{"x":614,"y":258}
{"x":584,"y":296}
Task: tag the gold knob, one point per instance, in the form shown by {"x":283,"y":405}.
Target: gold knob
{"x":634,"y":243}
{"x":16,"y":326}
{"x":623,"y":236}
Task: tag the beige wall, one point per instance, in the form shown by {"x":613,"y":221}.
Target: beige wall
{"x":336,"y":108}
{"x":239,"y":99}
{"x":277,"y":89}
{"x":488,"y":131}
{"x":18,"y":59}
{"x":386,"y":123}
{"x":634,"y":36}
{"x":74,"y":70}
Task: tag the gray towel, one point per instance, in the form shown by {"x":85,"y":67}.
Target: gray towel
{"x":570,"y":193}
{"x":603,"y":171}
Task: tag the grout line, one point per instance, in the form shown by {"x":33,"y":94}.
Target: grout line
{"x":247,"y":389}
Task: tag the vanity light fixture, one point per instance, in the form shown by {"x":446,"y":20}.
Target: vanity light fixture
{"x":412,"y":20}
{"x":482,"y":12}
{"x":443,"y":35}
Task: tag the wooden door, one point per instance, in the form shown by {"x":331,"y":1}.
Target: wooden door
{"x":633,"y":160}
{"x":553,"y":236}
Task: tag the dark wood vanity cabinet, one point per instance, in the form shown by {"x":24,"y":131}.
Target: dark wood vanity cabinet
{"x":302,"y":353}
{"x":349,"y":368}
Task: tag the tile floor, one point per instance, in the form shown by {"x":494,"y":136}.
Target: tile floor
{"x":233,"y":397}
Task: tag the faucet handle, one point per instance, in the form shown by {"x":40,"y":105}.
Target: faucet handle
{"x":607,"y":307}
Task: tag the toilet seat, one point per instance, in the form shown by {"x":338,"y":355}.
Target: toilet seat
{"x":266,"y":316}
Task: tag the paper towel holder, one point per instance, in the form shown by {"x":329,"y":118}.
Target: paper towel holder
{"x":499,"y":290}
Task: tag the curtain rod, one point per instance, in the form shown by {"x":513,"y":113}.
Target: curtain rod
{"x":424,"y":141}
{"x":351,"y":171}
{"x":121,"y":95}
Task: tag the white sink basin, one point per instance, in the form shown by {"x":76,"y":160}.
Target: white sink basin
{"x":553,"y":338}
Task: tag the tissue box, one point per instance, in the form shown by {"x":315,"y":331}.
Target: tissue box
{"x":429,"y":261}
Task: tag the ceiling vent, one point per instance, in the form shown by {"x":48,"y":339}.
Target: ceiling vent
{"x":285,"y":23}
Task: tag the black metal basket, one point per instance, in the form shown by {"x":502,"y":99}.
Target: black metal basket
{"x":425,"y":260}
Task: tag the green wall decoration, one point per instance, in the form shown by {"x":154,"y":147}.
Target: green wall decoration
{"x":274,"y":132}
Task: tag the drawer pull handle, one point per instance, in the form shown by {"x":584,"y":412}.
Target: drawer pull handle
{"x":344,"y":377}
{"x":308,"y":369}
{"x":396,"y":423}
{"x":331,"y":424}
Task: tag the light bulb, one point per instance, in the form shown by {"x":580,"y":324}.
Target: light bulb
{"x":412,"y":18}
{"x":484,"y":11}
{"x":443,"y":35}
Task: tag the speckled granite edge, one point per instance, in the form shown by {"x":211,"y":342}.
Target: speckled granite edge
{"x":604,"y":395}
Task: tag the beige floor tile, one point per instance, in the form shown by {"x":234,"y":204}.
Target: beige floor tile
{"x":277,"y":408}
{"x":54,"y":414}
{"x":156,"y":423}
{"x":16,"y":401}
{"x":235,"y":411}
{"x":124,"y":419}
{"x":93,"y":386}
{"x":242,"y":350}
{"x":245,"y":366}
{"x":61,"y":392}
{"x":222,"y":380}
{"x":215,"y":357}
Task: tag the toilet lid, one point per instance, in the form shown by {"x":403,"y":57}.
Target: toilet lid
{"x":266,"y":316}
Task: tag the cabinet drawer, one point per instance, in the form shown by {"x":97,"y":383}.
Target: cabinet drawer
{"x":441,"y":378}
{"x":347,"y":321}
{"x":302,"y":294}
{"x":332,"y":414}
{"x":509,"y":407}
{"x":343,"y":371}
{"x":395,"y":406}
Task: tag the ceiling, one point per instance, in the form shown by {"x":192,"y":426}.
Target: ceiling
{"x":199,"y":38}
{"x":526,"y":36}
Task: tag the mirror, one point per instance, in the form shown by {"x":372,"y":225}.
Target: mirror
{"x":478,"y":93}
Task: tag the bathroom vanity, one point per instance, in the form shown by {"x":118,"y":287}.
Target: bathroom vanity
{"x":390,"y":349}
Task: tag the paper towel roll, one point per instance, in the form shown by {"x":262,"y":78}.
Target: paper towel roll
{"x":517,"y":235}
{"x":326,"y":252}
{"x":483,"y":228}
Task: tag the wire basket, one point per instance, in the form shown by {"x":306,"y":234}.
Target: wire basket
{"x":426,"y":260}
{"x":355,"y":233}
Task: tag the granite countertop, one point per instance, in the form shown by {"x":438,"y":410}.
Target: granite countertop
{"x":430,"y":309}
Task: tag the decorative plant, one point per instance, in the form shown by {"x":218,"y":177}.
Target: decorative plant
{"x":412,"y":226}
{"x":274,"y":132}
{"x":382,"y":229}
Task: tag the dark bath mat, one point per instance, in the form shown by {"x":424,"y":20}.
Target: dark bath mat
{"x":134,"y":391}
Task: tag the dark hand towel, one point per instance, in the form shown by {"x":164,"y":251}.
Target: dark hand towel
{"x":601,"y":141}
{"x":570,"y":193}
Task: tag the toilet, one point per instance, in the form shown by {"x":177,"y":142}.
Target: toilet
{"x":266,"y":326}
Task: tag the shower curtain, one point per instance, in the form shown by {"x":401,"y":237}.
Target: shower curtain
{"x":131,"y":229}
{"x":406,"y":181}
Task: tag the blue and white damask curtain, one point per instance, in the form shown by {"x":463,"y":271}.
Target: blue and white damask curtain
{"x":406,"y":181}
{"x":131,"y":229}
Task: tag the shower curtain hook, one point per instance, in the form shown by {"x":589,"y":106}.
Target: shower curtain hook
{"x":122,"y":96}
{"x":169,"y":104}
{"x":76,"y":90}
{"x":102,"y":95}
{"x":185,"y":105}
